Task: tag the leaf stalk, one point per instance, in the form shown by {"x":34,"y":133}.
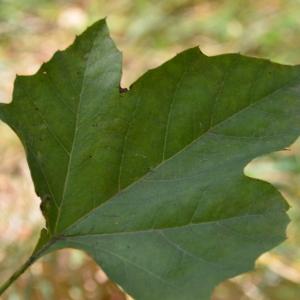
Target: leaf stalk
{"x":17,"y":274}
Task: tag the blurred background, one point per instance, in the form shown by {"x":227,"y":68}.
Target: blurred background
{"x":148,"y":33}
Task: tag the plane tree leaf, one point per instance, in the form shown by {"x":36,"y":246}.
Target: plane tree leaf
{"x":150,"y":181}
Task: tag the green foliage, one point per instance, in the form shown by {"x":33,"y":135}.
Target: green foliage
{"x":150,"y":182}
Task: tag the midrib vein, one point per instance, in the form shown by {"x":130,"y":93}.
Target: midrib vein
{"x":74,"y":137}
{"x":189,"y":224}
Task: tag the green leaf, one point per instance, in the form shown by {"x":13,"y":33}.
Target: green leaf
{"x":150,"y":182}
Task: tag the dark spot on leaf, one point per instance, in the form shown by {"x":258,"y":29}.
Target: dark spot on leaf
{"x":123,"y":90}
{"x":46,"y":199}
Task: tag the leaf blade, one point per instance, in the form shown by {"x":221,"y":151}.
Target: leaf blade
{"x":157,"y":171}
